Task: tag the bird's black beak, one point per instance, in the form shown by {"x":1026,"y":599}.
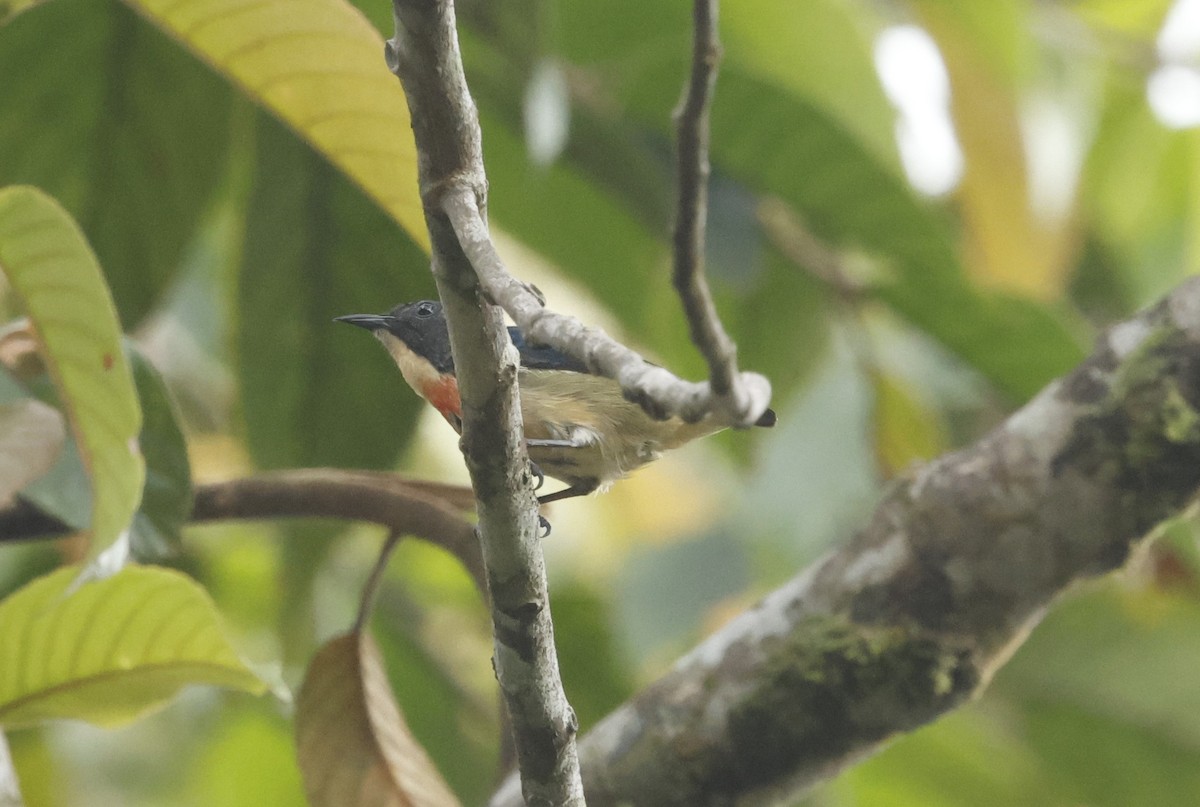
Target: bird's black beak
{"x":372,"y":322}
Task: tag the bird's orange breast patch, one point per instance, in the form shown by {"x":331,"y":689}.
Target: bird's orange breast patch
{"x":443,"y":394}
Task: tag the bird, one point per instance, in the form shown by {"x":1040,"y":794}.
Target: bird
{"x":579,"y":427}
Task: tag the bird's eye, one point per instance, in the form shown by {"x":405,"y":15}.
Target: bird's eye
{"x":425,"y":310}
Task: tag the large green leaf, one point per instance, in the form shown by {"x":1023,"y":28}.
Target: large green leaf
{"x":109,"y":650}
{"x":561,"y":213}
{"x":315,"y":391}
{"x":318,"y":65}
{"x":782,"y":145}
{"x":784,"y":137}
{"x":127,"y":131}
{"x":820,"y":50}
{"x":55,"y":275}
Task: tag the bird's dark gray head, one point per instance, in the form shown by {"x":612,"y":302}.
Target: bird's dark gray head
{"x":421,"y":326}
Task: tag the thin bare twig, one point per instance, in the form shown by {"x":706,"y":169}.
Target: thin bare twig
{"x":424,"y":55}
{"x":366,"y":603}
{"x":692,"y":127}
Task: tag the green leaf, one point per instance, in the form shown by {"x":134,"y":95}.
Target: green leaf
{"x":1139,"y":21}
{"x":56,"y":277}
{"x":315,"y":391}
{"x":167,"y":495}
{"x":906,"y":431}
{"x":132,"y":146}
{"x":594,"y":670}
{"x":1138,"y":200}
{"x":251,"y":759}
{"x":109,"y":650}
{"x":784,"y":138}
{"x":781,"y":325}
{"x":969,"y":757}
{"x":563,"y":214}
{"x":1103,"y":762}
{"x":8,"y":10}
{"x":1143,"y":649}
{"x":446,"y":692}
{"x":318,"y":65}
{"x":820,"y":50}
{"x":784,"y":146}
{"x":352,"y":742}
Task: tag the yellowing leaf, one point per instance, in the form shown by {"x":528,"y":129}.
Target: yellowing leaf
{"x":31,"y":435}
{"x":54,"y":273}
{"x":905,"y":431}
{"x":355,"y":750}
{"x":1139,"y":20}
{"x":1011,"y":246}
{"x":318,"y":65}
{"x":109,"y":650}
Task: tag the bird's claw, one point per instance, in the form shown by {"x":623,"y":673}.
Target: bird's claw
{"x":537,"y":475}
{"x":543,"y":526}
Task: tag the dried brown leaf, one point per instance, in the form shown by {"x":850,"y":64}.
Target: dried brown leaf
{"x":354,"y":748}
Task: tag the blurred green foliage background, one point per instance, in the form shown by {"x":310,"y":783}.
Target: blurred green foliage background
{"x":908,"y":245}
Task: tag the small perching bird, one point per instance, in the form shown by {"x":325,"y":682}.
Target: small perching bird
{"x":579,"y":428}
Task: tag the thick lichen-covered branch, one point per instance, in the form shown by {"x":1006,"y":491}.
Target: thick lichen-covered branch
{"x":916,"y":612}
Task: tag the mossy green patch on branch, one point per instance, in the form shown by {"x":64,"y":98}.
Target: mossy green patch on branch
{"x":832,"y":684}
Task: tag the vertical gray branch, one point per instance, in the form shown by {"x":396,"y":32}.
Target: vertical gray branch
{"x":424,"y":55}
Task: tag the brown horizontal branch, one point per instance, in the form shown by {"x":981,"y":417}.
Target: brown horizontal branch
{"x":427,"y":510}
{"x":912,"y":616}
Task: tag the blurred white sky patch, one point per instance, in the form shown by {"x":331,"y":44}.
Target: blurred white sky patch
{"x":547,"y":113}
{"x":1054,"y":150}
{"x":915,"y":81}
{"x":1173,"y":90}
